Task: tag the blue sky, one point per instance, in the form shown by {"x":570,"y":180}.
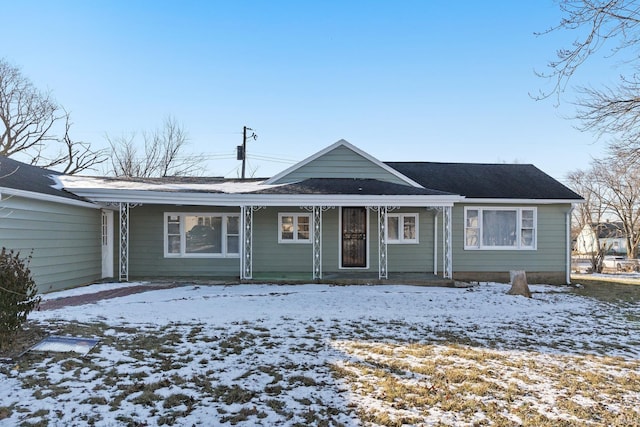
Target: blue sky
{"x":405,"y":80}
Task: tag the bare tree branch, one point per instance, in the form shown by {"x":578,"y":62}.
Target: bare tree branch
{"x":27,"y":119}
{"x":596,"y":23}
{"x":75,"y":156}
{"x":163,"y":153}
{"x":27,"y":115}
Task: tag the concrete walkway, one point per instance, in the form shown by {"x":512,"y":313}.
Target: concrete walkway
{"x":91,"y":298}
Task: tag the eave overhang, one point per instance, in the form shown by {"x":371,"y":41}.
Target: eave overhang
{"x":105,"y":196}
{"x":504,"y":201}
{"x":8,"y":192}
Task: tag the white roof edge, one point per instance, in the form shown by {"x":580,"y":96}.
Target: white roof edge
{"x":47,"y":198}
{"x":350,"y":146}
{"x":523,"y":201}
{"x":222,"y":199}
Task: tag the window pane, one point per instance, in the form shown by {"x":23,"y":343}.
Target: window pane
{"x":173,"y":228}
{"x":216,"y":225}
{"x":286,"y":232}
{"x":303,"y":227}
{"x":499,"y":228}
{"x":527,"y":219}
{"x":409,"y":227}
{"x":233,"y":244}
{"x":203,"y":238}
{"x":233,"y":225}
{"x":527,"y":237}
{"x":472,"y":218}
{"x":471,"y":237}
{"x":392,"y":228}
{"x":173,"y":244}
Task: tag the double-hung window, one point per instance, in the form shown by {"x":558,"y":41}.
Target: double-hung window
{"x":500,"y":228}
{"x":294,"y":228}
{"x":202,"y":235}
{"x":402,"y":228}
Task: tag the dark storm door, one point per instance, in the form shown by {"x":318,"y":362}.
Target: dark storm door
{"x":354,"y":237}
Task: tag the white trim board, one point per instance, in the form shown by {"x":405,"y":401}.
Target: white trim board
{"x":7,"y":192}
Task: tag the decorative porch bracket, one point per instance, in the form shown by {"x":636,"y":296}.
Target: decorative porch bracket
{"x":448,"y":255}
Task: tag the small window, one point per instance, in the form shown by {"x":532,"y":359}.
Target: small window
{"x":500,"y":228}
{"x":402,"y":228}
{"x":294,"y":228}
{"x":202,"y":235}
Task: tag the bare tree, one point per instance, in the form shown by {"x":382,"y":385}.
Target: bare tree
{"x":612,"y":26}
{"x":27,"y":114}
{"x":620,"y":176}
{"x":27,"y":119}
{"x":163,"y":153}
{"x":591,"y":212}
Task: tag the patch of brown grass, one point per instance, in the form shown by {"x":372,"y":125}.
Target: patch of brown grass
{"x":471,"y":385}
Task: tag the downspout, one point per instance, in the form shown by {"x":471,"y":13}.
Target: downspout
{"x":568,"y":242}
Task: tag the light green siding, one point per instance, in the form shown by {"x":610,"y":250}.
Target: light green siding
{"x":417,"y":258}
{"x":269,"y":256}
{"x":340,"y":163}
{"x":64,"y":240}
{"x":146,"y":246}
{"x":550,"y":255}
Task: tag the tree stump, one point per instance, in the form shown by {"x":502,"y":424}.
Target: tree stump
{"x":519,"y":284}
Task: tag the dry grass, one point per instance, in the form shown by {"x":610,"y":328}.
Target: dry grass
{"x":169,"y":373}
{"x":406,"y":384}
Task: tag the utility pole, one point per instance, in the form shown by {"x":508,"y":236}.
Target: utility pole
{"x":242,"y":149}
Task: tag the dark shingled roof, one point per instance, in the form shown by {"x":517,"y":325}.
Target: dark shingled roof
{"x":353,"y":186}
{"x":21,"y":176}
{"x":609,"y":230}
{"x":476,"y":180}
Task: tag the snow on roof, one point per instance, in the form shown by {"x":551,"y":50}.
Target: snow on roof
{"x":185,"y":184}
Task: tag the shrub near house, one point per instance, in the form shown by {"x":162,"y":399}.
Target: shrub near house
{"x":17,"y":294}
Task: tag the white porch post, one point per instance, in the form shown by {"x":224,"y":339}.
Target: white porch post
{"x":246,"y":251}
{"x":448,"y":254}
{"x":435,"y":243}
{"x":317,"y":242}
{"x":124,"y":242}
{"x":382,"y":243}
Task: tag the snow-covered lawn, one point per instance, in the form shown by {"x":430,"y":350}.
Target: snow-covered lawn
{"x":334,"y":355}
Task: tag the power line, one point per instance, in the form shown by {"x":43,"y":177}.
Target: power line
{"x":272,"y":159}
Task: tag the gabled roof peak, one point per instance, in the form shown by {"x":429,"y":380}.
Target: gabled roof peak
{"x":343,"y":143}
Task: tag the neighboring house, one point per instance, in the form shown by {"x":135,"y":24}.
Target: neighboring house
{"x":340,"y":214}
{"x":610,"y":236}
{"x":61,"y":231}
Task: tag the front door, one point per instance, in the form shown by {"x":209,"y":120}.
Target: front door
{"x":354,"y":237}
{"x":107,"y":243}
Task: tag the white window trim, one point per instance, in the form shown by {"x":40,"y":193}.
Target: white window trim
{"x":296,"y":239}
{"x":401,"y":240}
{"x":518,"y":246}
{"x":183,"y":235}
